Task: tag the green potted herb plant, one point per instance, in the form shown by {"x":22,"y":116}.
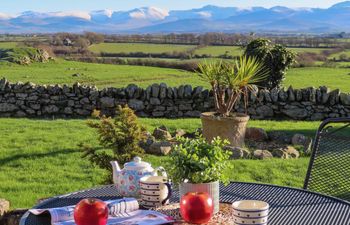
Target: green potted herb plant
{"x":199,"y":166}
{"x":229,"y":82}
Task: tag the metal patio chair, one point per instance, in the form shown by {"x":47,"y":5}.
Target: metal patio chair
{"x":329,"y":168}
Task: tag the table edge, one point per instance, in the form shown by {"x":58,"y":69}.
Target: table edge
{"x":298,"y":189}
{"x":23,"y":218}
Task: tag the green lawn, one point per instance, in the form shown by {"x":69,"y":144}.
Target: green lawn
{"x":137,"y":47}
{"x":40,"y":158}
{"x":319,"y":76}
{"x":4,"y":45}
{"x":102,"y":75}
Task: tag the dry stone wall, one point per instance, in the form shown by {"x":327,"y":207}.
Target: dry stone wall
{"x":159,"y":100}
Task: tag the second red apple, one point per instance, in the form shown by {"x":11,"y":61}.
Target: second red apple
{"x":196,"y":207}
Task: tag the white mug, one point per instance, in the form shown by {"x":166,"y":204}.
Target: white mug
{"x":250,"y":212}
{"x":155,"y":191}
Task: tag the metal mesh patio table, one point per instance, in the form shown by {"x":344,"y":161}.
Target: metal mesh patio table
{"x":287,"y":205}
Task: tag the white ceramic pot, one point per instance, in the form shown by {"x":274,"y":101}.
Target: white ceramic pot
{"x":211,"y":188}
{"x":250,"y":212}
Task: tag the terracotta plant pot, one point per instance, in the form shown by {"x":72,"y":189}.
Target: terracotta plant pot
{"x":231,"y":128}
{"x":212,"y":189}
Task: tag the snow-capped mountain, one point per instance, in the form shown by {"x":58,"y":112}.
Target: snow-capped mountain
{"x":205,"y":19}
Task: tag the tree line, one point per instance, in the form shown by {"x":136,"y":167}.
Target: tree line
{"x":225,"y":39}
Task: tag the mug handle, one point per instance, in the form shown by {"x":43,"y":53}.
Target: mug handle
{"x":160,"y":169}
{"x":170,"y":192}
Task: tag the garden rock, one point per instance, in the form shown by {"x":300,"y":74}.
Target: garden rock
{"x":262,"y":154}
{"x":256,"y":134}
{"x":146,"y":144}
{"x":298,"y":139}
{"x":163,"y":128}
{"x":237,"y":152}
{"x":4,"y":206}
{"x":160,"y":148}
{"x":280,"y":137}
{"x":13,"y":217}
{"x":279,"y":153}
{"x":180,"y":133}
{"x":161,"y":134}
{"x":302,"y":140}
{"x":291,"y":151}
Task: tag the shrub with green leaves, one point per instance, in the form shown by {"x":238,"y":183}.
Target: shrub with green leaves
{"x":276,"y":58}
{"x":119,"y":138}
{"x":197,"y":161}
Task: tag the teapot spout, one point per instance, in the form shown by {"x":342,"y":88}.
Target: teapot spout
{"x":116,"y":170}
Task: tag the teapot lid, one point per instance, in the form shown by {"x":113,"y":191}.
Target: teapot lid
{"x":136,"y":164}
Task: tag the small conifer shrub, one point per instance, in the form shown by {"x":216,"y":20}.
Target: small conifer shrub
{"x":119,"y":138}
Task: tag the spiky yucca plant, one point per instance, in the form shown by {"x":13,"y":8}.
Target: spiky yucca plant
{"x":231,"y":80}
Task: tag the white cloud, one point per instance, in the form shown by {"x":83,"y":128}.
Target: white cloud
{"x":305,"y":9}
{"x":204,"y":14}
{"x":78,"y":14}
{"x":152,"y":13}
{"x":4,"y":16}
{"x":107,"y":12}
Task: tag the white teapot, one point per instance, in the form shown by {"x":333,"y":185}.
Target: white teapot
{"x":127,"y":179}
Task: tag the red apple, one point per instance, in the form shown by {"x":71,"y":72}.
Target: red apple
{"x":196,"y":207}
{"x":91,"y":212}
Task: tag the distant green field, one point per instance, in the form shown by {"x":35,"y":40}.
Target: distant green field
{"x":102,"y":75}
{"x":313,"y":50}
{"x":319,"y":76}
{"x":215,"y":51}
{"x":343,"y":64}
{"x":137,"y":47}
{"x":8,"y":44}
{"x":236,"y":50}
{"x":337,"y":55}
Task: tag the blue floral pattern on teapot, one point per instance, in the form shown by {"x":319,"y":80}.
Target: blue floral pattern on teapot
{"x":127,"y":180}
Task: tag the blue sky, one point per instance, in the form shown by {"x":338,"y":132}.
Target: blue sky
{"x":16,"y":6}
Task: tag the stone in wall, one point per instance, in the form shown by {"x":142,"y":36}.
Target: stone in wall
{"x":158,"y":100}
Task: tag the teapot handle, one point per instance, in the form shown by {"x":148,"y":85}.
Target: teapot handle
{"x":160,"y":169}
